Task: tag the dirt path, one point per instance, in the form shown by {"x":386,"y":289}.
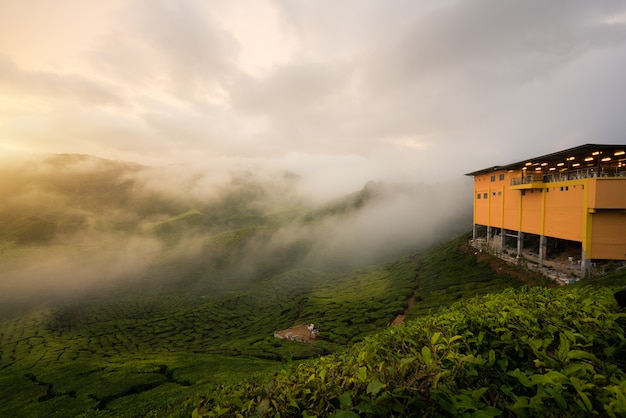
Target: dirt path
{"x":399,"y":320}
{"x":496,"y":264}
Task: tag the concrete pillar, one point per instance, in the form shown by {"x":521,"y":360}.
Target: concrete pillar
{"x":488,"y":233}
{"x":502,"y":239}
{"x":585,"y":264}
{"x":543,"y":248}
{"x":474,"y":232}
{"x":520,"y":243}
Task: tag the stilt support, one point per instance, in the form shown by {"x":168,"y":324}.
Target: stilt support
{"x":520,"y":243}
{"x":543,"y":249}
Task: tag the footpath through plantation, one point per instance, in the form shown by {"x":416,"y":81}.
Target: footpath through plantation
{"x":522,"y":352}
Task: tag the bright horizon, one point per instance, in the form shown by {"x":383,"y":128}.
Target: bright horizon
{"x":340,"y":92}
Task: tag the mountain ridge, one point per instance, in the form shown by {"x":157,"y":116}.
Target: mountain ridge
{"x":192,"y":226}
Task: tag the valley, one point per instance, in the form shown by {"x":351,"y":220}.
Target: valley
{"x":140,"y":353}
{"x":120,"y":298}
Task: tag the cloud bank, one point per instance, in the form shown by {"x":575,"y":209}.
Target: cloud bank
{"x":365,"y":89}
{"x":215,"y":95}
{"x":75,"y":226}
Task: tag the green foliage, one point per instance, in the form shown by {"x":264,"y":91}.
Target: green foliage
{"x":522,"y":352}
{"x":28,"y":230}
{"x":515,"y":352}
{"x":158,"y":351}
{"x":133,"y":354}
{"x":452,"y":271}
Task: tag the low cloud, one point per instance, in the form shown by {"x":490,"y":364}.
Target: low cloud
{"x":258,"y":126}
{"x":401,"y":219}
{"x":107,"y":225}
{"x":76,"y":265}
{"x":182,"y":82}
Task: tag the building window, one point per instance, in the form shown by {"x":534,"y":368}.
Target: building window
{"x":478,"y":196}
{"x":499,"y":193}
{"x":547,"y":190}
{"x":484,"y":195}
{"x":501,"y":177}
{"x":493,"y":178}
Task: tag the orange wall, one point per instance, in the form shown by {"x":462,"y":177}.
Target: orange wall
{"x":489,"y":210}
{"x":531,"y":210}
{"x":565,"y":207}
{"x":608,"y":235}
{"x":562,"y":203}
{"x":512,"y":200}
{"x":495,"y":204}
{"x":565,"y":210}
{"x":607,"y":193}
{"x":482,"y":197}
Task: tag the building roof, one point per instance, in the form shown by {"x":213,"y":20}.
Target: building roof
{"x":588,"y":154}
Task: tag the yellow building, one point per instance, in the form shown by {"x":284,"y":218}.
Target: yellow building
{"x":578,"y":194}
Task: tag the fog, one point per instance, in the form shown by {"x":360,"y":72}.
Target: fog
{"x":61,"y":270}
{"x":75,"y":226}
{"x":351,"y":92}
{"x":245,"y":138}
{"x":402,"y":221}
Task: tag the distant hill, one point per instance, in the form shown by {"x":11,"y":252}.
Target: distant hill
{"x":127,"y":289}
{"x":97,"y":225}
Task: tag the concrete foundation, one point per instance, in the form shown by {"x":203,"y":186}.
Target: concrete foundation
{"x":543,"y":248}
{"x":585,"y":264}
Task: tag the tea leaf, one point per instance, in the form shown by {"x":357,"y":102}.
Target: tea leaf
{"x":427,"y":356}
{"x":375,"y":386}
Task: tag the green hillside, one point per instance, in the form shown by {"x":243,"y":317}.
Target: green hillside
{"x":100,"y":227}
{"x":132,"y":291}
{"x":525,"y":352}
{"x":138,"y":353}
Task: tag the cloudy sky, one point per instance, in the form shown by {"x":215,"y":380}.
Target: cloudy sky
{"x":345,"y":90}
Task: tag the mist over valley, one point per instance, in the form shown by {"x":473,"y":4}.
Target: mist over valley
{"x":136,"y":290}
{"x":74,"y":225}
{"x":183,"y":181}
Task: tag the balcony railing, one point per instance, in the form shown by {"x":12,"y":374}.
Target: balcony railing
{"x":567,"y":175}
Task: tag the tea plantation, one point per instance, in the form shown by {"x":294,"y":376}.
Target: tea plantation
{"x":519,"y":351}
{"x":129,"y":355}
{"x":526,"y":352}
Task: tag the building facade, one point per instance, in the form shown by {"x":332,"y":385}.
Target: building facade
{"x":578,"y":195}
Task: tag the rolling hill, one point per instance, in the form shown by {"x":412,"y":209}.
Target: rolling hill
{"x":138,"y":291}
{"x":81,"y":225}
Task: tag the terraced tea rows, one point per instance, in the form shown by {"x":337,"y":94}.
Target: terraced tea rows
{"x":441,"y":269}
{"x":522,"y":352}
{"x":143,"y":351}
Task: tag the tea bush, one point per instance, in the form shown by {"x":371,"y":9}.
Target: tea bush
{"x":129,"y":354}
{"x":523,"y":352}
